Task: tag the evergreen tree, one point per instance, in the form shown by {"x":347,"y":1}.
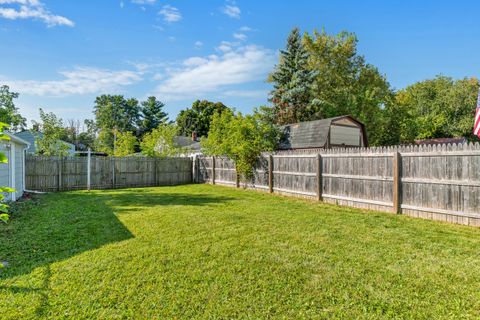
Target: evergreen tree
{"x":292,"y":80}
{"x":152,"y":115}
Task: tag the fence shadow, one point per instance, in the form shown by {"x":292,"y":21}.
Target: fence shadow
{"x":57,"y":228}
{"x":134,"y":201}
{"x":63,"y":225}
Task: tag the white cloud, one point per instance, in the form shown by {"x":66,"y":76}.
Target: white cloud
{"x":198,"y":76}
{"x":79,"y":81}
{"x":198,"y":44}
{"x":245,"y":29}
{"x":170,"y":14}
{"x":240,"y":36}
{"x":32,"y":9}
{"x":232,"y":11}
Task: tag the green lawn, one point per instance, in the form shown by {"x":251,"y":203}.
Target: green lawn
{"x":203,"y":251}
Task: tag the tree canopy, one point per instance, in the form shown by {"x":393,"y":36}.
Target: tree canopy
{"x":199,"y":117}
{"x":9,"y":112}
{"x":241,"y":138}
{"x":292,"y":82}
{"x":49,"y":143}
{"x":160,"y":142}
{"x":151,"y":115}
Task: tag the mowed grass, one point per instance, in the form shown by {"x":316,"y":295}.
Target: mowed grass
{"x":209,"y":252}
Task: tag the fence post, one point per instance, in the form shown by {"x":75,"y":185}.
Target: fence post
{"x":270,"y":173}
{"x":319,"y":177}
{"x":113,"y":172}
{"x":397,"y":173}
{"x":237,"y":178}
{"x":89,"y":169}
{"x":60,"y":165}
{"x":155,"y":171}
{"x":213,"y":169}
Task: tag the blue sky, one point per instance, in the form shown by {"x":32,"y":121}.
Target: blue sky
{"x":60,"y":55}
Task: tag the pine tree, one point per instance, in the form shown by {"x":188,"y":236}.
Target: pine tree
{"x":292,"y":80}
{"x":152,"y":115}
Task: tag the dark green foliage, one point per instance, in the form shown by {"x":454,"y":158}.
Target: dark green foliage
{"x":436,"y":108}
{"x":198,"y":117}
{"x":292,"y":80}
{"x":344,"y":83}
{"x":151,"y":115}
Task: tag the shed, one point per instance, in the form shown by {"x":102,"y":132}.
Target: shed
{"x":12,"y":174}
{"x":29,"y":136}
{"x":342,"y":131}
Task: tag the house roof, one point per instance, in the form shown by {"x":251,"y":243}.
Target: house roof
{"x":17,"y":139}
{"x":29,"y":137}
{"x":187,"y":142}
{"x":308,"y":134}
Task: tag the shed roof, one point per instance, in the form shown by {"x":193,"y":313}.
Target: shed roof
{"x":308,"y":134}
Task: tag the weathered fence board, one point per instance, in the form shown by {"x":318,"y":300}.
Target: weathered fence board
{"x":71,"y":173}
{"x":434,"y":182}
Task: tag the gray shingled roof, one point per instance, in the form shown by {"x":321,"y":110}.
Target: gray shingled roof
{"x":187,"y":142}
{"x":308,"y":134}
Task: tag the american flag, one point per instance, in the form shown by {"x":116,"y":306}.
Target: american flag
{"x":476,"y":127}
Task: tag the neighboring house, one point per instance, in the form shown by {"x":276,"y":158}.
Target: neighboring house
{"x":12,"y":174}
{"x":441,"y":141}
{"x":191,"y":145}
{"x":343,"y":131}
{"x":29,"y":136}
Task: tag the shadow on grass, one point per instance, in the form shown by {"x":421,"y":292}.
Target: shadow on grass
{"x":133,"y":201}
{"x":63,"y":225}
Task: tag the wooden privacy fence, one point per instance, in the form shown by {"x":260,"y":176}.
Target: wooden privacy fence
{"x":433,"y":182}
{"x":77,"y":173}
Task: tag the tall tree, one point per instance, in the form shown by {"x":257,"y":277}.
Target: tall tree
{"x":198,"y":117}
{"x":435,"y":108}
{"x":344,"y":83}
{"x":114,"y":114}
{"x":152,"y":115}
{"x":160,"y":142}
{"x":9,"y":112}
{"x":125,"y":144}
{"x":49,"y":143}
{"x":241,"y":138}
{"x":292,"y":80}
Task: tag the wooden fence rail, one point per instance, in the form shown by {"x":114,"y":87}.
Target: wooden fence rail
{"x":82,"y":173}
{"x":433,"y":182}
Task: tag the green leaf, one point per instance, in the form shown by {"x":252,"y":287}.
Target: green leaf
{"x":4,"y":217}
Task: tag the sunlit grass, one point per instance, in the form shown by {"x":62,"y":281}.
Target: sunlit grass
{"x":203,"y":251}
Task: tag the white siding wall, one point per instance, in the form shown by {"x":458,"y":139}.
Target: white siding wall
{"x":5,"y":168}
{"x":349,"y":136}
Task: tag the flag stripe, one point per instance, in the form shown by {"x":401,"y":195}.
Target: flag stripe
{"x":476,"y":124}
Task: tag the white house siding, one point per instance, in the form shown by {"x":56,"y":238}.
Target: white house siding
{"x":15,"y":164}
{"x":350,"y":136}
{"x":5,"y":169}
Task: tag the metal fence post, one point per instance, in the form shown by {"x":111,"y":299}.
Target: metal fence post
{"x":397,"y":190}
